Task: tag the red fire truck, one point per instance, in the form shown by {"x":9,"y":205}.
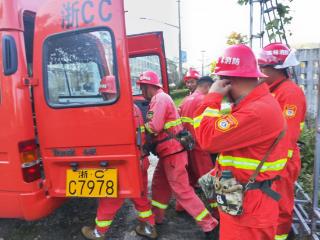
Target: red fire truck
{"x":58,"y":137}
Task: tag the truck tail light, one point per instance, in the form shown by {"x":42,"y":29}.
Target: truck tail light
{"x":30,"y":162}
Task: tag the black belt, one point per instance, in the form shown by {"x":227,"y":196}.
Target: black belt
{"x":265,"y":186}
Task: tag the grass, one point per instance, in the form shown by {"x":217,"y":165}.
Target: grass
{"x":178,"y":95}
{"x":177,"y":101}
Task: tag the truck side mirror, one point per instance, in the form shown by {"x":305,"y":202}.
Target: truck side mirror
{"x":9,"y":55}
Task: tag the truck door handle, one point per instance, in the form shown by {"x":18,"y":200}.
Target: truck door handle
{"x":74,"y":166}
{"x":104,"y":164}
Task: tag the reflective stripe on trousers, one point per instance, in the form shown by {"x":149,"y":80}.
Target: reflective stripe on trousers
{"x":281,"y":237}
{"x":159,"y":205}
{"x":103,"y":224}
{"x":145,"y":214}
{"x":202,"y":215}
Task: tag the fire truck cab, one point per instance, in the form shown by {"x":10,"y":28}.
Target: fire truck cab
{"x":59,"y":137}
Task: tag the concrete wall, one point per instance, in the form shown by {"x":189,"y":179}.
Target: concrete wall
{"x":307,"y":74}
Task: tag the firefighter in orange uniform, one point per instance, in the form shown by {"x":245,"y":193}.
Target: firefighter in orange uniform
{"x":108,"y":207}
{"x":170,"y":176}
{"x":200,"y":161}
{"x":190,"y":79}
{"x":274,"y":61}
{"x":242,"y":138}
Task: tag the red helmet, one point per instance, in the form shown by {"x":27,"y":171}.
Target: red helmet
{"x":238,"y":61}
{"x":149,"y":77}
{"x":108,"y":84}
{"x":277,"y":55}
{"x":191,"y":74}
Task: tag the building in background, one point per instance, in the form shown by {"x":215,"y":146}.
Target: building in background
{"x":307,"y":74}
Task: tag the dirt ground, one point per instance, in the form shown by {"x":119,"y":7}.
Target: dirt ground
{"x":65,"y":223}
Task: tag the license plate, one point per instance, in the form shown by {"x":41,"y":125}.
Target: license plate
{"x":92,"y":183}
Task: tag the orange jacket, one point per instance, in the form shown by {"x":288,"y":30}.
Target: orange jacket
{"x":163,"y":116}
{"x":243,"y":137}
{"x":187,"y":109}
{"x":293,"y":104}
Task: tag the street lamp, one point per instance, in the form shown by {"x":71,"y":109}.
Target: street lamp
{"x":179,"y":29}
{"x":202,"y":61}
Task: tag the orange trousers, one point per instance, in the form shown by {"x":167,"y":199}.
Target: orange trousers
{"x":171,"y":176}
{"x":108,"y":207}
{"x":285,"y":186}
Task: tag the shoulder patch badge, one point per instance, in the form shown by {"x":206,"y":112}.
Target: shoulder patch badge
{"x":226,"y":123}
{"x":290,"y":111}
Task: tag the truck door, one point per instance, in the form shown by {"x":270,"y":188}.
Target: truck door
{"x":87,"y":138}
{"x":146,"y":52}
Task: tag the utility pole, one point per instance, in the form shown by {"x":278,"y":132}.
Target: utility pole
{"x":202,"y":61}
{"x":179,"y":26}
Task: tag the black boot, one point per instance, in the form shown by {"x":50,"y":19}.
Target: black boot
{"x":213,"y":234}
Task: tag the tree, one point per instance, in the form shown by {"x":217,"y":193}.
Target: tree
{"x":213,"y":66}
{"x":237,"y":38}
{"x":275,"y":26}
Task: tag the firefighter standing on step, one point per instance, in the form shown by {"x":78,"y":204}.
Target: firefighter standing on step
{"x":274,"y":61}
{"x":242,"y":139}
{"x":108,"y":207}
{"x":200,"y":162}
{"x":170,"y":176}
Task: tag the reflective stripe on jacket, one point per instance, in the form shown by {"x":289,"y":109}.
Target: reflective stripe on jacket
{"x":243,"y":137}
{"x":163,"y":116}
{"x":187,"y":109}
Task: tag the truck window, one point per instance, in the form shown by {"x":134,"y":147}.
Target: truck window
{"x":9,"y":55}
{"x":77,"y":64}
{"x":140,"y":64}
{"x":28,"y":23}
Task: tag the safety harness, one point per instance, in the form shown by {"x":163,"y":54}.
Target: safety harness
{"x":265,"y":186}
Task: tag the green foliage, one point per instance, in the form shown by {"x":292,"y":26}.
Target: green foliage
{"x":307,"y":157}
{"x":179,"y":93}
{"x":283,"y":10}
{"x":243,"y":2}
{"x":237,"y":38}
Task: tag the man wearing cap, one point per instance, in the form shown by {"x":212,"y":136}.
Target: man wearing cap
{"x":274,"y":61}
{"x":243,"y":138}
{"x":170,"y":176}
{"x":108,"y":207}
{"x":200,"y":161}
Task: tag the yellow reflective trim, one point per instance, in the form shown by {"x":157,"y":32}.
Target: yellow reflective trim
{"x":158,"y":205}
{"x":202,"y":215}
{"x":103,"y":223}
{"x":213,"y":205}
{"x":290,"y":153}
{"x":301,"y":126}
{"x":187,"y":120}
{"x":209,"y":112}
{"x":173,"y":123}
{"x":148,"y":128}
{"x":145,"y":214}
{"x":251,"y":164}
{"x":281,"y":237}
{"x":142,"y":129}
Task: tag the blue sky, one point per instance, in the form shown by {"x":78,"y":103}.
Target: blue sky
{"x":207,"y":23}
